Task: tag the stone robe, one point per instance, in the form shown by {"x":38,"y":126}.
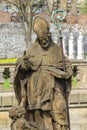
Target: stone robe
{"x":45,"y":65}
{"x":45,"y":81}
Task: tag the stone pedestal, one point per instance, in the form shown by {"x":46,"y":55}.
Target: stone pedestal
{"x":81,"y":73}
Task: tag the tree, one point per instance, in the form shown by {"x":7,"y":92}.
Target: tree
{"x":84,"y":8}
{"x":27,"y":9}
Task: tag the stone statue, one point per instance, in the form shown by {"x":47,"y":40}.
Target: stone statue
{"x":18,"y":122}
{"x":17,"y":114}
{"x":39,"y":81}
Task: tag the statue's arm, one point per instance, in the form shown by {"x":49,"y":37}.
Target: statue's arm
{"x":69,"y":70}
{"x":31,"y":62}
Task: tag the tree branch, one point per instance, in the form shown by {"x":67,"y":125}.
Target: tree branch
{"x":12,"y":3}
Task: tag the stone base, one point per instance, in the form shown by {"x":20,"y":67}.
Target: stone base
{"x":4,"y":121}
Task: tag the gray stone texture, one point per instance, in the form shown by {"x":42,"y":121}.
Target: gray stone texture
{"x":12,"y":41}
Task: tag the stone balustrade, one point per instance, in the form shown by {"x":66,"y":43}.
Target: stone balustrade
{"x":80,"y":67}
{"x":74,"y":40}
{"x":75,"y":49}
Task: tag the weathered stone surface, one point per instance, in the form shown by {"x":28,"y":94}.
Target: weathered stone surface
{"x":78,"y":96}
{"x":11,"y":40}
{"x":81,"y":73}
{"x":14,"y":103}
{"x":4,"y":121}
{"x":6,"y":101}
{"x":78,"y":118}
{"x":0,"y":101}
{"x":74,"y":97}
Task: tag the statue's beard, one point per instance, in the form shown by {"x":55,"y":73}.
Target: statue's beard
{"x":45,"y":43}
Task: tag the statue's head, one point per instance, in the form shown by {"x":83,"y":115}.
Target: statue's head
{"x":41,"y":28}
{"x":17,"y":112}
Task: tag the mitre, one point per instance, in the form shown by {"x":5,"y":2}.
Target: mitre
{"x":40,"y":26}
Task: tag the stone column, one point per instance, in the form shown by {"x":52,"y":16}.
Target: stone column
{"x":80,"y":51}
{"x":71,"y":47}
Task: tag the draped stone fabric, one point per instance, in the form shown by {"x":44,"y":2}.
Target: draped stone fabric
{"x":41,"y":82}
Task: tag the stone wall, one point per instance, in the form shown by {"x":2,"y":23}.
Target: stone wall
{"x":12,"y":43}
{"x":81,"y":73}
{"x":11,"y":40}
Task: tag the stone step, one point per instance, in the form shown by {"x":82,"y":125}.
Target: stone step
{"x":3,"y":90}
{"x":78,"y":97}
{"x":7,"y":99}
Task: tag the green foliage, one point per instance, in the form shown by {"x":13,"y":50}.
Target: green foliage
{"x":6,"y":84}
{"x":6,"y":76}
{"x":84,"y":8}
{"x":6,"y":73}
{"x":74,"y":82}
